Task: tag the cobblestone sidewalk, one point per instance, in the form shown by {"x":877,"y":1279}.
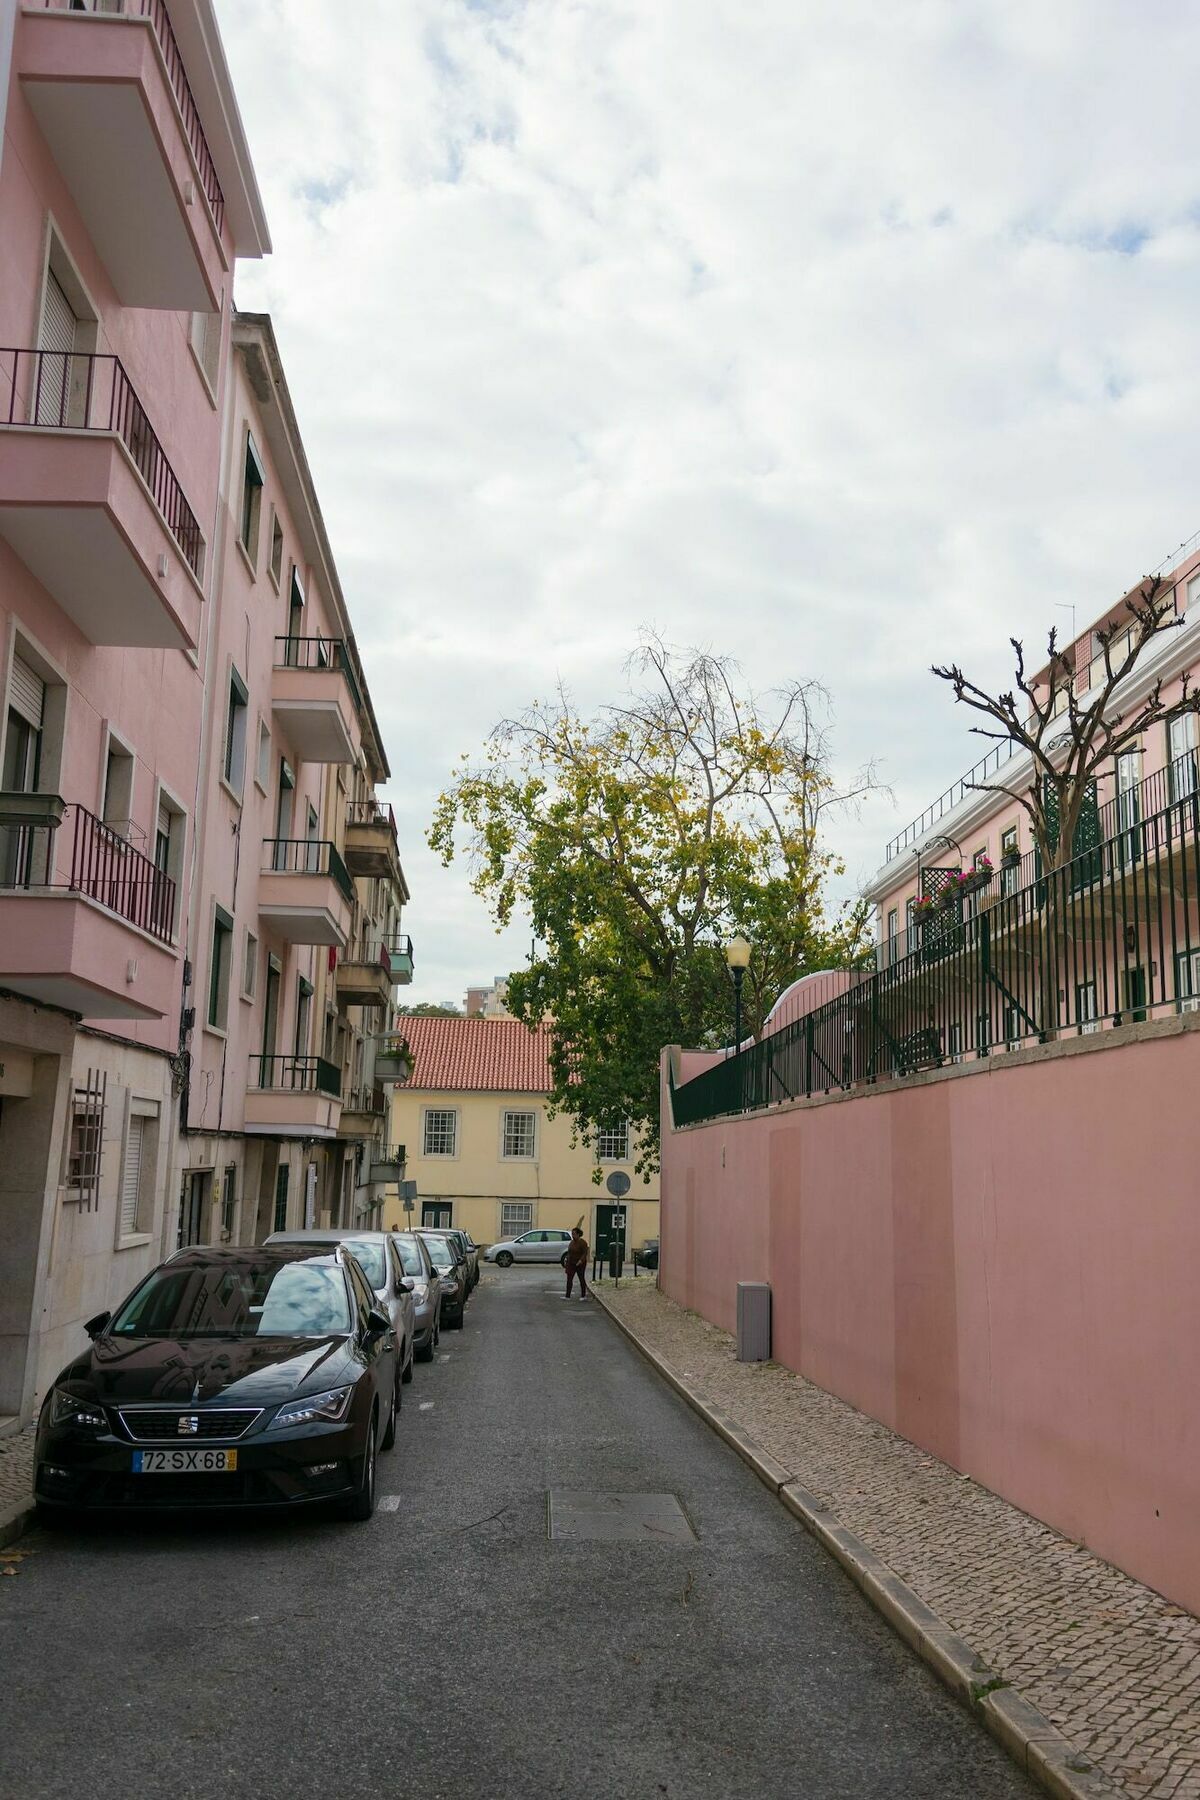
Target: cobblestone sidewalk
{"x":1112,"y":1664}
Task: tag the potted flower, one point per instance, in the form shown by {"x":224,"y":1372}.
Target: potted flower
{"x":924,"y":907}
{"x":970,"y":881}
{"x":1011,"y":858}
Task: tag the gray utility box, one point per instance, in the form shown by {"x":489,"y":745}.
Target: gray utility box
{"x":754,"y":1321}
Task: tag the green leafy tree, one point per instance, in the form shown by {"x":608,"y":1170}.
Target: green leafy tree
{"x":638,"y":842}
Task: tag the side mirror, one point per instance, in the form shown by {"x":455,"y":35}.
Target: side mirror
{"x":405,"y":1286}
{"x":378,"y":1322}
{"x":95,"y":1326}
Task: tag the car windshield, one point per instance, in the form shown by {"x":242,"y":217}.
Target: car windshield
{"x":250,"y":1299}
{"x":410,"y":1256}
{"x":440,"y":1253}
{"x":369,"y":1257}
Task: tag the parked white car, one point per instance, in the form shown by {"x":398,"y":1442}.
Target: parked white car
{"x":531,"y":1246}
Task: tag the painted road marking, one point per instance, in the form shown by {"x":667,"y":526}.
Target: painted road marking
{"x":445,"y":1356}
{"x":427,"y":1405}
{"x":388,"y":1503}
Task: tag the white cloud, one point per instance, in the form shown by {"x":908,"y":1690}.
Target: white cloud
{"x":843,"y":335}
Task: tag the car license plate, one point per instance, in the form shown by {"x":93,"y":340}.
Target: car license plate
{"x":183,"y":1462}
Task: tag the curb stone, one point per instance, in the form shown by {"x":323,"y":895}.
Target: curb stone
{"x":16,"y":1520}
{"x":1025,"y":1733}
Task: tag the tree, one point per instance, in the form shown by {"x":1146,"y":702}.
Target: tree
{"x":638,"y":842}
{"x":427,"y":1009}
{"x":1068,"y":744}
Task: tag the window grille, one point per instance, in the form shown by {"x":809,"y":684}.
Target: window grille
{"x":86,"y":1146}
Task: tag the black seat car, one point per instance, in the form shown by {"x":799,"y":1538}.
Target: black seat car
{"x":229,"y":1377}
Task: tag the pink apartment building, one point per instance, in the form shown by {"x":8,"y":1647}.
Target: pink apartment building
{"x":194,"y":869}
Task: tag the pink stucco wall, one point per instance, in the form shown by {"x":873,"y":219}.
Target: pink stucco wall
{"x":1001,"y":1263}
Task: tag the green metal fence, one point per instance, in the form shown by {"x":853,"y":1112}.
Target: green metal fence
{"x":1112,"y":937}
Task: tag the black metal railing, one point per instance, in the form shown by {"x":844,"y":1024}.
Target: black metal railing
{"x":398,"y":944}
{"x":74,"y":390}
{"x":945,"y":802}
{"x":104,"y":866}
{"x":296,"y":1075}
{"x":319,"y":653}
{"x":365,"y":1100}
{"x":369,"y":812}
{"x":156,"y":12}
{"x":389,"y":1153}
{"x":1110,"y":938}
{"x":307,"y":856}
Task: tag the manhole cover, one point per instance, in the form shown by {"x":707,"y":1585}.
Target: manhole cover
{"x":646,"y":1518}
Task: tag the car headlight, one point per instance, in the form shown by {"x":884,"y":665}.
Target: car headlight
{"x":326,"y":1408}
{"x":449,"y":1284}
{"x":69,"y":1409}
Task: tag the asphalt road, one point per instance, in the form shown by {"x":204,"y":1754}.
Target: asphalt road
{"x":451,"y":1648}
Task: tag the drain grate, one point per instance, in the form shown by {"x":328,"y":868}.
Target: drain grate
{"x":641,"y":1518}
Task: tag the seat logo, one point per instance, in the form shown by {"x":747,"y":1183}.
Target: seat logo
{"x":187,"y":1425}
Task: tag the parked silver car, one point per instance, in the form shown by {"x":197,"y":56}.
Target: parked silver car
{"x":470,"y":1250}
{"x":427,"y":1292}
{"x":379,"y":1260}
{"x":447,"y":1256}
{"x":531,"y":1246}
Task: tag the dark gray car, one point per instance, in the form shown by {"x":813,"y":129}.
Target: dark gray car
{"x":470,"y":1250}
{"x":447,"y":1257}
{"x":381,"y":1264}
{"x":427,"y":1292}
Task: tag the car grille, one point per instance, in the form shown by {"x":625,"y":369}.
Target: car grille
{"x":149,"y":1426}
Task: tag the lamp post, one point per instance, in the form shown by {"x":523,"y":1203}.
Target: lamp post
{"x":737,"y":956}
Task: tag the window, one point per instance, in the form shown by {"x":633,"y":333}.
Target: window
{"x":253,"y":482}
{"x":276,"y":549}
{"x":612,"y":1144}
{"x":519,"y":1136}
{"x":138,"y":1170}
{"x":116,"y":808}
{"x":86,"y":1145}
{"x":1012,"y":1029}
{"x":441,"y":1131}
{"x":1129,"y":810}
{"x":235,"y":732}
{"x":910,"y":920}
{"x":956,"y":1052}
{"x":228,"y":1200}
{"x":893,"y":932}
{"x":1193,"y":592}
{"x":170,"y":823}
{"x":1087,"y":1013}
{"x":516,"y":1216}
{"x":250,"y":967}
{"x":1181,"y":754}
{"x":262,"y":765}
{"x":205,"y":338}
{"x":218,"y":974}
{"x":1187,"y":980}
{"x":281,"y":1197}
{"x":1010,"y":872}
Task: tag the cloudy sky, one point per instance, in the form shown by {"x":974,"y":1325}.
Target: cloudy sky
{"x":840,"y":335}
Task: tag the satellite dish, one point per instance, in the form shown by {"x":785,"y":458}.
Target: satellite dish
{"x":618,"y":1183}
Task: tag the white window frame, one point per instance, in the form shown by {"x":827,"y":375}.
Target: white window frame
{"x":149,"y":1113}
{"x":510,"y":1225}
{"x":249,"y":520}
{"x":523,"y":1113}
{"x":613,"y":1131}
{"x":430,"y":1114}
{"x":1009,"y":840}
{"x":166,"y":801}
{"x":1088,"y":1023}
{"x":262,"y":755}
{"x":222,"y":951}
{"x":249,"y":965}
{"x":237,"y":723}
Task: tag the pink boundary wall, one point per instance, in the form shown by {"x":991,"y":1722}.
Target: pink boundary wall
{"x":1001,"y":1262}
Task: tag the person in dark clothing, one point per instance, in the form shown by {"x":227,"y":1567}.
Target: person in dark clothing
{"x":577,"y":1259}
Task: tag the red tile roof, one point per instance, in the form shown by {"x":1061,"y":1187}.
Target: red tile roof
{"x":496,"y":1055}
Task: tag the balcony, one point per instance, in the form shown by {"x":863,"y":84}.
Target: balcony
{"x":111,"y":95}
{"x":91,"y":505}
{"x":388,"y":1163}
{"x":290,"y":1096}
{"x":364,"y":1111}
{"x":88,"y":920}
{"x":365,"y":980}
{"x":393,"y":1060}
{"x":400,"y":955}
{"x":371,"y":847}
{"x":305,"y":892}
{"x":315,"y":698}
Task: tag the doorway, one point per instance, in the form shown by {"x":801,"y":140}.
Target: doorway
{"x":435,"y":1214}
{"x":193,"y":1201}
{"x":610,"y":1223}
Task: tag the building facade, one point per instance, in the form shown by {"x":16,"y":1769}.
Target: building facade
{"x":177,"y":943}
{"x":483,"y":1151}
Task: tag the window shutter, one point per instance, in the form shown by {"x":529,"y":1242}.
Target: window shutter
{"x":58,"y":320}
{"x":27,"y":693}
{"x":131,"y":1177}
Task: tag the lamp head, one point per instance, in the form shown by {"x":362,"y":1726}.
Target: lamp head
{"x":737,"y":952}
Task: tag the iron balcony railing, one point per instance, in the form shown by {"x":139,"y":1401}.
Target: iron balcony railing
{"x":296,"y":1075}
{"x":370,"y":812}
{"x":103,"y":866}
{"x":307,"y":856}
{"x":156,"y":12}
{"x":73,"y":390}
{"x":946,"y":802}
{"x":398,"y":946}
{"x":368,"y":1100}
{"x":319,"y":653}
{"x":1111,"y":937}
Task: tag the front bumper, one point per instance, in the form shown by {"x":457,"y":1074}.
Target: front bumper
{"x":286,"y":1468}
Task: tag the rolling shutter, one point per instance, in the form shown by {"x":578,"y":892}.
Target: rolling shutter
{"x":131,"y":1176}
{"x":58,"y":320}
{"x":27,"y":693}
{"x":54,"y":371}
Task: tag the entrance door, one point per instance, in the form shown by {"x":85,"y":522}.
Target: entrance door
{"x":270,"y":1019}
{"x":610,"y":1223}
{"x":1135,"y":994}
{"x":283,"y":813}
{"x":22,"y":765}
{"x":435,"y":1214}
{"x":192,"y":1203}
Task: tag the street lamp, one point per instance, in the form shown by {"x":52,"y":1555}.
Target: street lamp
{"x":737,"y":956}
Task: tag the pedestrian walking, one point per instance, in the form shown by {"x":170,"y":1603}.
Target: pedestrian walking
{"x":576,"y":1260}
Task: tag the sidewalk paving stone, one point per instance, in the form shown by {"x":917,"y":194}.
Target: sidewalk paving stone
{"x":1113,"y":1665}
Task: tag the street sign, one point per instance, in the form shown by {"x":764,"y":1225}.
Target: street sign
{"x":618,"y":1184}
{"x":410,"y":1206}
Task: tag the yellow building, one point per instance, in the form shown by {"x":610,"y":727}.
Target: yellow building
{"x":483,"y":1151}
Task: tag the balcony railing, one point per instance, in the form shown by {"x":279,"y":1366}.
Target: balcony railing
{"x":296,"y":1075}
{"x":364,"y":1100}
{"x":77,"y":391}
{"x":369,"y":812}
{"x":1112,"y":937}
{"x":946,"y":802}
{"x":104,"y":867}
{"x":318,"y":653}
{"x":307,"y":856}
{"x":156,"y":12}
{"x":399,"y":948}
